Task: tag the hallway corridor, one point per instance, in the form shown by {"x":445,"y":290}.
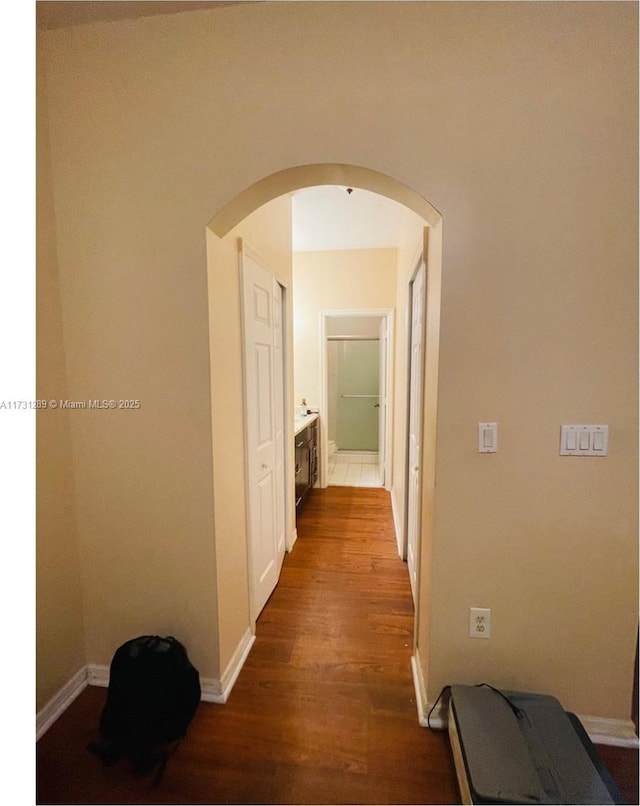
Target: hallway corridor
{"x":324,"y":709}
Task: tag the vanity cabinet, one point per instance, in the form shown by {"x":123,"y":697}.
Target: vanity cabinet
{"x":313,"y":453}
{"x":306,"y":460}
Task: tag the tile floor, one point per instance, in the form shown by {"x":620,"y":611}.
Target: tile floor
{"x":352,"y":469}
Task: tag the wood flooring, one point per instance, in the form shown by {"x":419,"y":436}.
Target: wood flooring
{"x":323,"y":711}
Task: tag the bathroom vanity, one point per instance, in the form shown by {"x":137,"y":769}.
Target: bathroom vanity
{"x":306,"y":455}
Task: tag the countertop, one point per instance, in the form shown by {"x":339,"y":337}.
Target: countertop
{"x":300,"y":422}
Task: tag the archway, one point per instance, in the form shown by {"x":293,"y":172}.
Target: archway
{"x":304,"y":176}
{"x":226,"y":402}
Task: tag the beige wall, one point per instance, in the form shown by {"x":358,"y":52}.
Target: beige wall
{"x":59,"y":610}
{"x":518,"y":121}
{"x":346,"y":279}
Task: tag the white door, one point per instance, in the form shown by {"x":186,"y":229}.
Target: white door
{"x":264,"y":423}
{"x":279,"y":408}
{"x":382,"y":401}
{"x":416,"y":376}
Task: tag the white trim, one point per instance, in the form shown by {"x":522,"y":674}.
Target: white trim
{"x":438,"y":718}
{"x":414,"y":265}
{"x":389,"y":402}
{"x":617,"y":732}
{"x":59,"y":703}
{"x":397,"y":525}
{"x":212,"y":690}
{"x":387,"y":315}
{"x":218,"y":691}
{"x":98,"y":675}
{"x":420,"y":263}
{"x":230,"y":674}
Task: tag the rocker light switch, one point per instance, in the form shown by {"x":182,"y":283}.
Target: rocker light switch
{"x":584,"y":440}
{"x":487,"y":437}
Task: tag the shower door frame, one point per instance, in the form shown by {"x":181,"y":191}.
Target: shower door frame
{"x":386,"y":314}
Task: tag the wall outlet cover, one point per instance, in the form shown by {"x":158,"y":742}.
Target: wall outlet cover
{"x":479,"y":622}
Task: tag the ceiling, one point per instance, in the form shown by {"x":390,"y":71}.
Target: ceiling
{"x":329,"y":217}
{"x":66,"y":13}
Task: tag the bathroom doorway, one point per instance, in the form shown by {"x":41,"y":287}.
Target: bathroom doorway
{"x":356,"y":403}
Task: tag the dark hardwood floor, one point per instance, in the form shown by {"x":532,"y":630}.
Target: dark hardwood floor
{"x":323,"y":710}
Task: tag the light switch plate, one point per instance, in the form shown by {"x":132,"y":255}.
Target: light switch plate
{"x":584,"y":440}
{"x":487,"y":437}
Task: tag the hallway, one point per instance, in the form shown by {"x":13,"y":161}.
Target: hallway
{"x":324,"y":709}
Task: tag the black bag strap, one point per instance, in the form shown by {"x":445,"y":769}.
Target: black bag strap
{"x":163,"y":765}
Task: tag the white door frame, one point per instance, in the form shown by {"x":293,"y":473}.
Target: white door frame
{"x":387,"y":315}
{"x":289,"y":497}
{"x":415,"y":380}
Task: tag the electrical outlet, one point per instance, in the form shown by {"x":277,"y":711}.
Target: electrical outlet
{"x":479,"y":622}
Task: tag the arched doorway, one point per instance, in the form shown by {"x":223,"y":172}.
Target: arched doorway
{"x":226,"y":384}
{"x":303,"y":176}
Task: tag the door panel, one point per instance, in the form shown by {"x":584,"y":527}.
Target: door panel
{"x":264,"y":423}
{"x":263,"y":394}
{"x":357,"y":404}
{"x":382,"y":401}
{"x":265,"y":523}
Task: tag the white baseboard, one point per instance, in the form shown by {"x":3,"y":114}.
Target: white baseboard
{"x":98,"y":675}
{"x":59,"y":703}
{"x":418,"y":685}
{"x":212,"y":690}
{"x":219,"y":690}
{"x":397,"y":524}
{"x":438,"y":717}
{"x":617,"y":732}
